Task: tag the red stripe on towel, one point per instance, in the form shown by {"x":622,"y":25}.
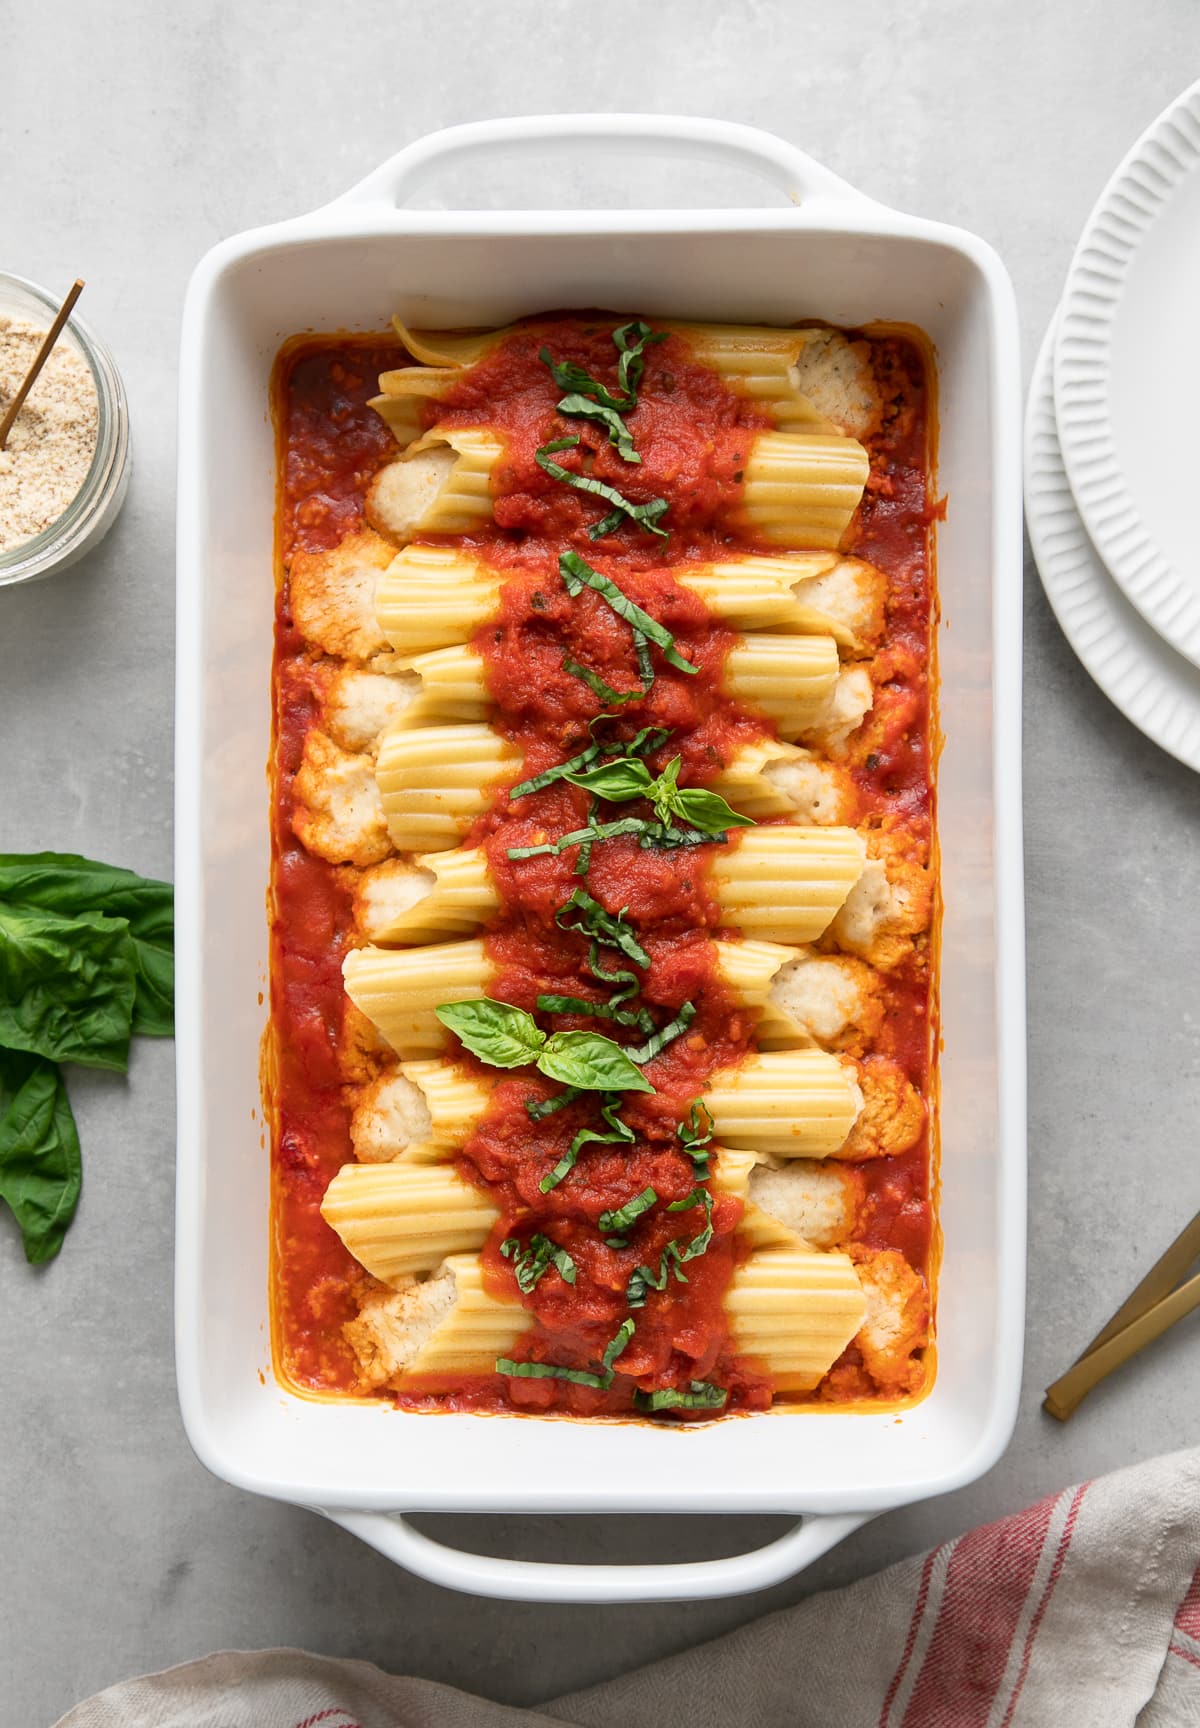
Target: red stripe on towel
{"x":1187,"y":1616}
{"x":989,"y":1578}
{"x":914,"y":1623}
{"x":1064,"y":1542}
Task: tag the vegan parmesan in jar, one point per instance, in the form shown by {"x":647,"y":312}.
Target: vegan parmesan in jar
{"x":53,"y":439}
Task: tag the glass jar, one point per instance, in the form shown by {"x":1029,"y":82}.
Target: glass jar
{"x":93,"y":510}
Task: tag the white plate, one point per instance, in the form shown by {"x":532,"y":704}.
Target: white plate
{"x":1152,"y":685}
{"x":1125,"y":373}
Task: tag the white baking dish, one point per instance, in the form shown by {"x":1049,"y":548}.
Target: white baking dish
{"x":830,"y":253}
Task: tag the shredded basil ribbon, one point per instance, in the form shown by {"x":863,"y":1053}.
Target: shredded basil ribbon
{"x":695,"y":1134}
{"x":621,"y":1132}
{"x":582,"y":912}
{"x":645,"y":515}
{"x":597,"y":1010}
{"x":578,"y":574}
{"x":535,"y":1259}
{"x":659,"y":1040}
{"x":674,"y":1257}
{"x":651,"y":836}
{"x":701,"y":1395}
{"x":604,"y":407}
{"x":577,"y":1376}
{"x":539,"y":1108}
{"x":624,"y":1216}
{"x":597,"y":685}
{"x":648,"y":739}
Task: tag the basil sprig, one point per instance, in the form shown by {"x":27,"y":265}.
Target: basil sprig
{"x":648,"y":739}
{"x":578,"y":574}
{"x":701,"y":1395}
{"x":619,"y":1133}
{"x":577,"y":1376}
{"x":508,"y":1037}
{"x":628,"y":777}
{"x":624,"y":1216}
{"x":645,"y":515}
{"x":535,"y":1259}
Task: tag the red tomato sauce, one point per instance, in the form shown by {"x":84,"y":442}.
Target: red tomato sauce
{"x":692,"y":434}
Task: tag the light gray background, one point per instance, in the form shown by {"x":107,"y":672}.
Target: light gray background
{"x":135,"y":135}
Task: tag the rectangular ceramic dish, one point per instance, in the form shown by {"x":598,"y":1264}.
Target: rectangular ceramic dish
{"x":833,"y":254}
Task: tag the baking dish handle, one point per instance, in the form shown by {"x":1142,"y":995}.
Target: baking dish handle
{"x":533,"y":1581}
{"x":797,"y":176}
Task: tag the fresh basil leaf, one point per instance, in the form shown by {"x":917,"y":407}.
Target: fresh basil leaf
{"x":597,"y":685}
{"x":41,"y":1169}
{"x":701,"y":1395}
{"x":548,"y":1371}
{"x":535,"y":1259}
{"x":665,"y":1035}
{"x":631,"y":340}
{"x":627,"y":777}
{"x":65,"y":883}
{"x":582,"y":912}
{"x":496,"y":1032}
{"x":592,"y":1062}
{"x":571,"y":443}
{"x":577,"y":407}
{"x":707,"y":811}
{"x":67,"y":985}
{"x":577,"y":574}
{"x":616,"y":1345}
{"x":568,"y":376}
{"x":645,"y":515}
{"x":628,"y":1214}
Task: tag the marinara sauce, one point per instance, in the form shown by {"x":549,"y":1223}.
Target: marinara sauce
{"x":692,"y":434}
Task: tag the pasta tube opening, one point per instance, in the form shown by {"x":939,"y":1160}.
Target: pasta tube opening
{"x":447,"y":1325}
{"x":798,"y":593}
{"x":428,"y":1110}
{"x":438,"y":895}
{"x":440,"y":485}
{"x":811,"y":380}
{"x":770,"y":778}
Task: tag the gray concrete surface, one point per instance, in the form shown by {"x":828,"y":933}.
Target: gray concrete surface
{"x":134,"y":135}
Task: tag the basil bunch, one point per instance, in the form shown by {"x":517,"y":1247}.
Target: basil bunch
{"x":86,"y":960}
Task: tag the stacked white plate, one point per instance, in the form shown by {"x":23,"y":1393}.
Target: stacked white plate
{"x":1112,"y":445}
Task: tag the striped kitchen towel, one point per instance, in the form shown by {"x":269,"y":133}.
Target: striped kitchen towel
{"x":1081,"y":1612}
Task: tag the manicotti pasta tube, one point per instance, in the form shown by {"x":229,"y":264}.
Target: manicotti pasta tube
{"x":435,"y":780}
{"x":783,"y":884}
{"x":446,"y":1325}
{"x":440,"y":485}
{"x":403,"y":1219}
